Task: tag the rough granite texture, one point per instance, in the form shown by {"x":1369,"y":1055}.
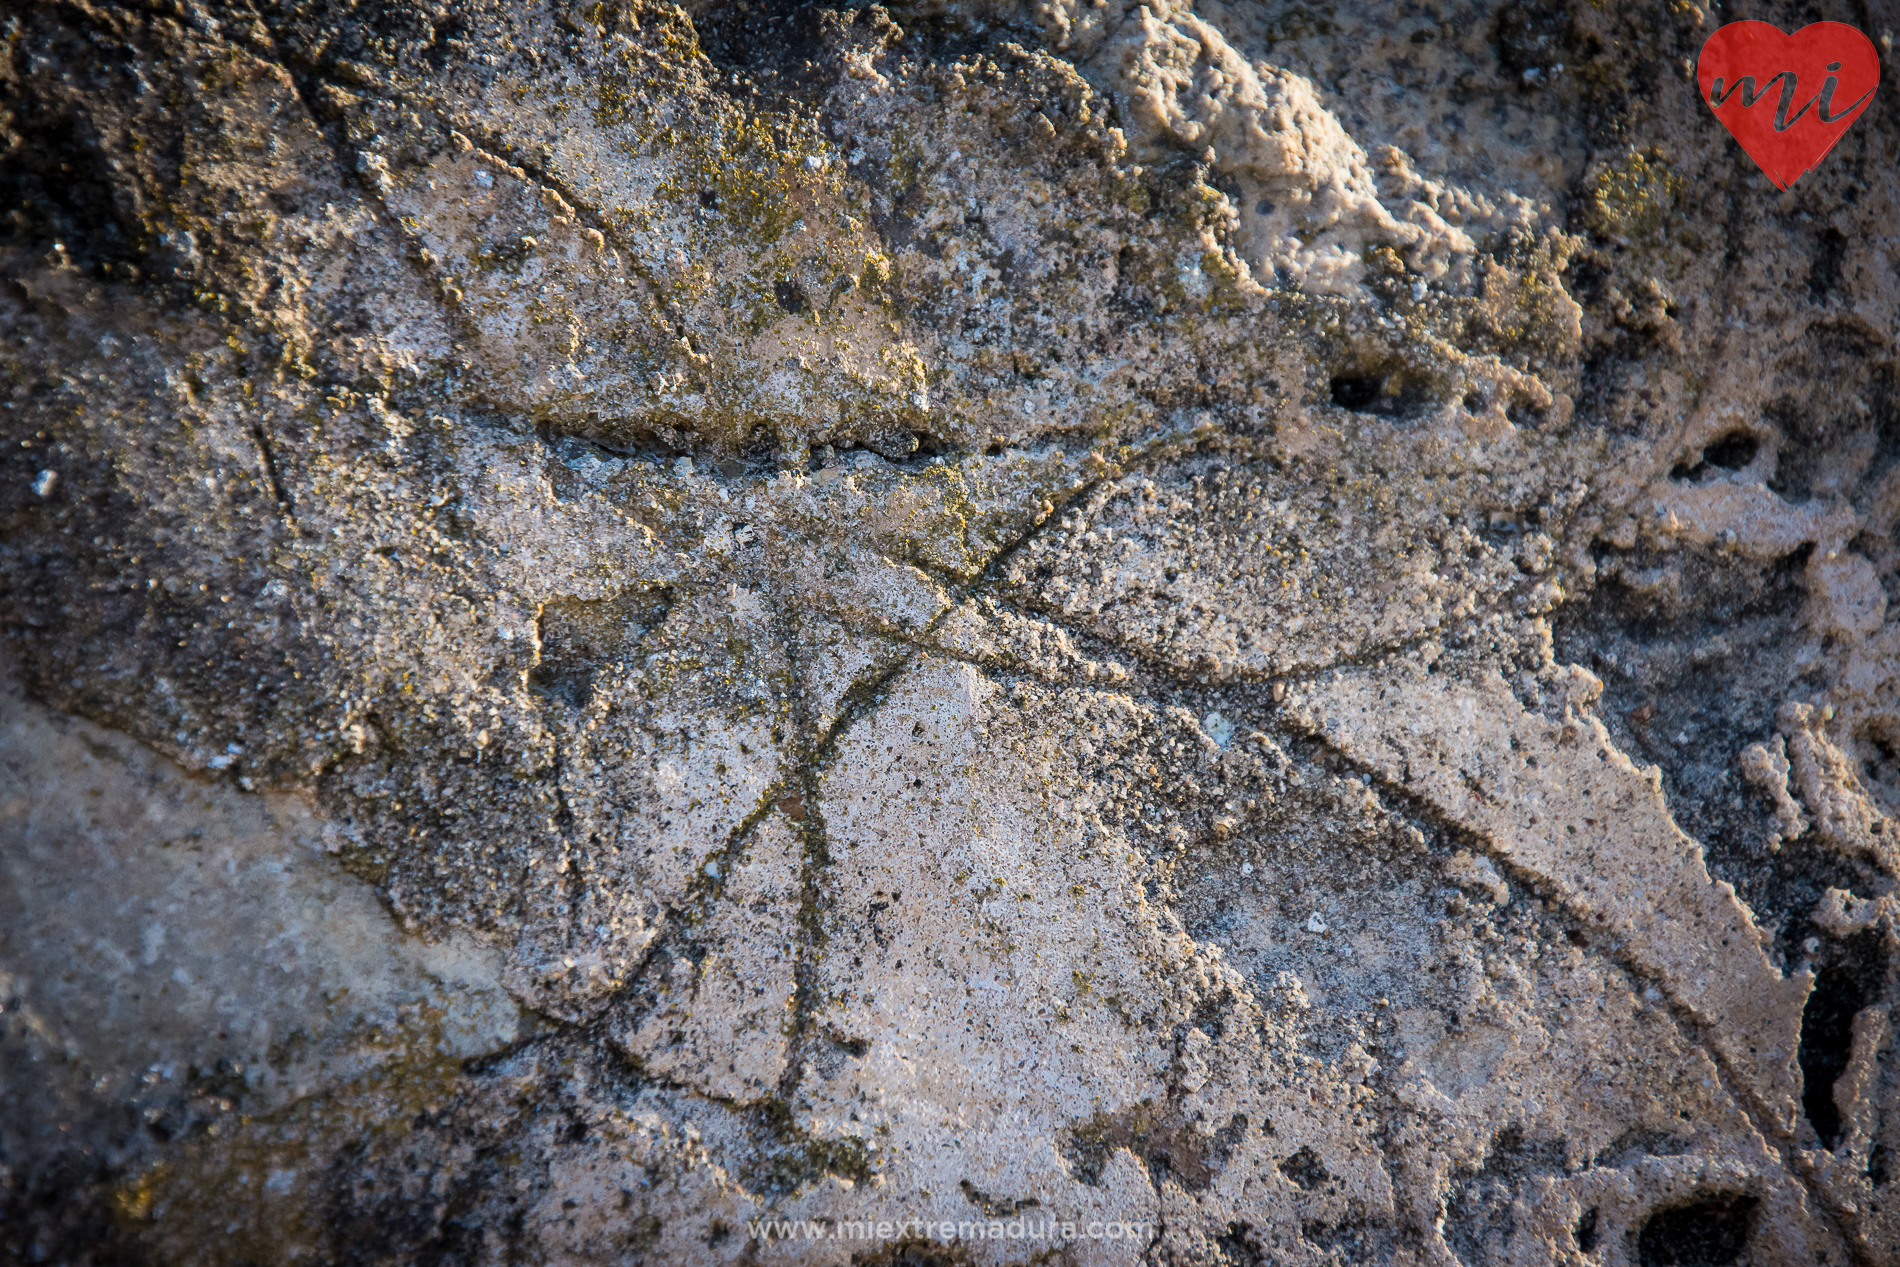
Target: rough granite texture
{"x":1261,"y":627}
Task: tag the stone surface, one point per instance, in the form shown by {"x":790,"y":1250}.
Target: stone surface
{"x":952,"y":632}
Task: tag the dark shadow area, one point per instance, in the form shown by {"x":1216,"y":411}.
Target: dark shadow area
{"x":1586,"y":1231}
{"x":1304,"y":1170}
{"x":1384,"y":391}
{"x":1711,"y":1232}
{"x":1824,"y":273}
{"x":1357,"y":392}
{"x":1827,"y":1031}
{"x":1852,"y":980}
{"x":1730,"y":453}
{"x":760,"y":35}
{"x":790,"y":296}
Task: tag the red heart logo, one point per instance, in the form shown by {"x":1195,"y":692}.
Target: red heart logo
{"x":1787,"y":98}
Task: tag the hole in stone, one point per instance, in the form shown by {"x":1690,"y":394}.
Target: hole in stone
{"x":767,"y":38}
{"x":1827,"y":1035}
{"x":1356,"y":392}
{"x":1711,"y":1232}
{"x":1587,"y":1230}
{"x":1732,"y":452}
{"x":1525,"y":412}
{"x":1387,"y":388}
{"x":790,"y":295}
{"x":1304,"y":1169}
